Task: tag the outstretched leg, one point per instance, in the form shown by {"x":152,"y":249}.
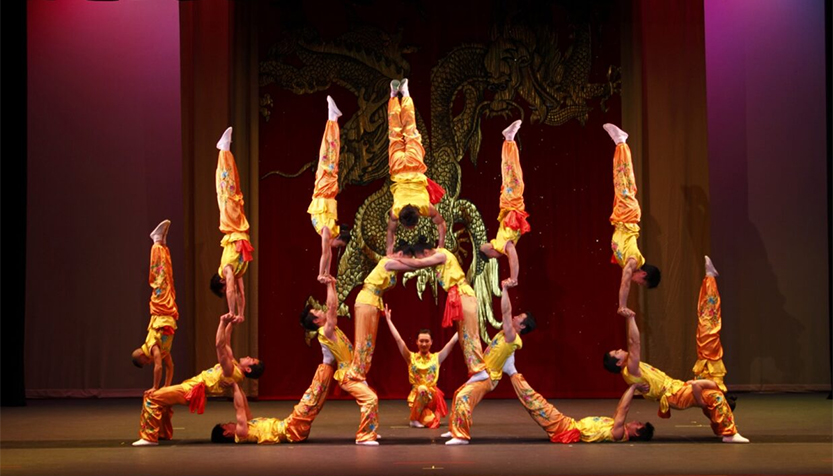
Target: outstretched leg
{"x":299,"y":422}
{"x":709,"y":363}
{"x":366,"y":327}
{"x":465,"y":399}
{"x":323,"y":208}
{"x":369,"y":404}
{"x":625,"y":205}
{"x":545,"y":415}
{"x":468,"y":333}
{"x":414,"y":152}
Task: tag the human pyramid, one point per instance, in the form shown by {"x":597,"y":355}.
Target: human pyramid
{"x":415,"y":195}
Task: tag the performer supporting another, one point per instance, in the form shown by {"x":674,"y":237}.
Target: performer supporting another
{"x":163,"y":310}
{"x":426,"y":400}
{"x":625,"y":219}
{"x":155,"y":421}
{"x":709,"y":363}
{"x":323,"y":209}
{"x":513,"y":214}
{"x":499,"y":353}
{"x":672,"y":393}
{"x":414,"y":194}
{"x":237,"y":251}
{"x":595,"y":429}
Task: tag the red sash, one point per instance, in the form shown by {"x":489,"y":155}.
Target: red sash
{"x":196,"y":398}
{"x":245,"y":248}
{"x":453,"y":307}
{"x":517,"y":221}
{"x":435,"y":191}
{"x":567,"y":437}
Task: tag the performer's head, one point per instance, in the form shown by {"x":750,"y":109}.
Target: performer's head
{"x":342,"y":238}
{"x":639,"y":431}
{"x":140,"y":359}
{"x":218,"y":285}
{"x":409,"y":216}
{"x":524,"y":323}
{"x":423,"y":247}
{"x":223,"y":433}
{"x":312,"y":319}
{"x":251,"y":367}
{"x":403,"y":249}
{"x":424,"y":341}
{"x":647,"y":275}
{"x":614,"y":360}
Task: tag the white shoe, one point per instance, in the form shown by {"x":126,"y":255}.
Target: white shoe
{"x":736,"y":438}
{"x":456,"y":441}
{"x":333,"y":113}
{"x":141,"y":442}
{"x":447,"y":434}
{"x":618,"y":135}
{"x":403,"y":88}
{"x":225,"y":141}
{"x":509,"y":132}
{"x":394,"y":88}
{"x":368,"y":443}
{"x":710,"y":270}
{"x":416,"y":424}
{"x":160,"y":232}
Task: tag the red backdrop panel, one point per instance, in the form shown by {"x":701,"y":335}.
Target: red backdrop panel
{"x":566,"y":278}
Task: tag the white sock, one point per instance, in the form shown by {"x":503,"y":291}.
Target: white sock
{"x":710,"y":269}
{"x":394,"y":88}
{"x":225,"y":141}
{"x":416,"y":424}
{"x":457,"y":441}
{"x":333,"y":113}
{"x":368,"y":443}
{"x":403,"y":88}
{"x":447,"y":434}
{"x":509,"y":132}
{"x":618,"y":135}
{"x":141,"y":442}
{"x":160,"y":232}
{"x":736,"y":438}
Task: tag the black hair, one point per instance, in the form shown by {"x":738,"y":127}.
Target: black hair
{"x":409,"y":216}
{"x":217,"y":286}
{"x":529,"y":324}
{"x":422,"y":244}
{"x":652,"y":275}
{"x":644,"y":434}
{"x":217,"y":435}
{"x":256,"y":370}
{"x":425,"y":331}
{"x":344,"y":234}
{"x":308,"y":318}
{"x":137,"y":362}
{"x":404,"y":247}
{"x":610,"y":363}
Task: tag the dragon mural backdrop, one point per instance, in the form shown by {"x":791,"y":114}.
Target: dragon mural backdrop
{"x":522,"y":72}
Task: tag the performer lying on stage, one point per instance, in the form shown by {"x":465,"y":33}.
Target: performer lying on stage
{"x":502,"y":347}
{"x":513,"y":214}
{"x":414,"y":194}
{"x":155,"y":421}
{"x":461,"y":302}
{"x":709,"y":363}
{"x":672,"y":393}
{"x":237,"y":251}
{"x":596,"y":429}
{"x":323,"y":209}
{"x":163,"y":311}
{"x":426,"y":400}
{"x":625,"y":219}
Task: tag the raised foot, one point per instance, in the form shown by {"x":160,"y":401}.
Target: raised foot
{"x":736,"y":438}
{"x":416,"y":424}
{"x":457,"y":441}
{"x":332,"y":109}
{"x":509,"y":132}
{"x":403,"y":87}
{"x":141,"y":442}
{"x":394,"y":88}
{"x":159,"y":233}
{"x":710,"y":269}
{"x":368,"y":443}
{"x":618,"y":135}
{"x":225,"y":141}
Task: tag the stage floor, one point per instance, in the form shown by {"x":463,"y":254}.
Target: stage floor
{"x":790,"y":434}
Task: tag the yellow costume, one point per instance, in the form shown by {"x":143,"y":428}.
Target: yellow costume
{"x":676,"y":394}
{"x":513,"y":213}
{"x":367,"y":308}
{"x":375,"y":284}
{"x":626,"y":211}
{"x":296,"y":426}
{"x":365,"y":396}
{"x":237,"y":250}
{"x":155,"y":420}
{"x":709,"y":363}
{"x":163,"y":310}
{"x":426,"y":400}
{"x":498,"y":351}
{"x":323,"y":209}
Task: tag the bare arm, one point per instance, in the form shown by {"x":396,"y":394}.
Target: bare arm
{"x":622,"y":413}
{"x":634,"y":347}
{"x":448,"y":348}
{"x":169,"y":370}
{"x":231,"y":289}
{"x":403,"y":349}
{"x":393,"y":222}
{"x":396,"y":265}
{"x":326,"y":255}
{"x":512,"y":256}
{"x":241,"y":408}
{"x":506,"y":314}
{"x":241,"y":301}
{"x":625,"y":287}
{"x":433,"y":260}
{"x":224,"y":355}
{"x":332,"y":309}
{"x":438,"y":220}
{"x":157,"y":366}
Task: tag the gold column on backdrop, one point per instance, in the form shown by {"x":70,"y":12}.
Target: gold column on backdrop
{"x":522,"y":62}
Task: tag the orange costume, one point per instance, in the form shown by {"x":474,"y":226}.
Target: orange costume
{"x":163,"y":310}
{"x":296,"y":426}
{"x":626,"y":211}
{"x":676,"y":394}
{"x":426,"y":400}
{"x":470,"y":393}
{"x":365,"y":397}
{"x":155,"y":420}
{"x":461,"y":306}
{"x":237,"y":251}
{"x":559,"y":427}
{"x":405,"y":159}
{"x":513,"y":214}
{"x":709,"y":363}
{"x":323,"y":209}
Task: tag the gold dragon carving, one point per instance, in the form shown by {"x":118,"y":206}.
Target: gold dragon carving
{"x":519,"y":64}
